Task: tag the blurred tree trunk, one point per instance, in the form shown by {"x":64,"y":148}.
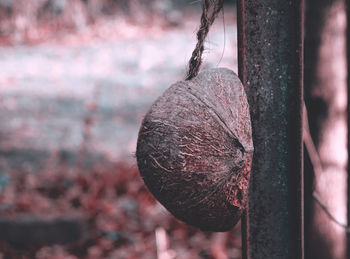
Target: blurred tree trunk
{"x":325,"y":97}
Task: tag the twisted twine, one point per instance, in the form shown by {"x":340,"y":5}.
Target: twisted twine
{"x":207,"y":19}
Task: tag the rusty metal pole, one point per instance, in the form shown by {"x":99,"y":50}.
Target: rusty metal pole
{"x":270,"y":42}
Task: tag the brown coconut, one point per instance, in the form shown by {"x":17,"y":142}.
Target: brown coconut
{"x":194,"y":149}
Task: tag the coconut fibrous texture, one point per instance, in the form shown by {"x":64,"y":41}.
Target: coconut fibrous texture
{"x":194,"y":150}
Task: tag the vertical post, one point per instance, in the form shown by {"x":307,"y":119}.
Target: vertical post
{"x":243,"y":76}
{"x":270,"y":42}
{"x":347,"y":6}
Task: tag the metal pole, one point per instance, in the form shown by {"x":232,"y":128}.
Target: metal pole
{"x":270,"y":42}
{"x":347,"y":6}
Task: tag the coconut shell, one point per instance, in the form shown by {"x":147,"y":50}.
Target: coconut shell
{"x":195,"y":148}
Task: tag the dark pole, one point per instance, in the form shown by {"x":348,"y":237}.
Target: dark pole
{"x":347,"y":6}
{"x":243,"y":76}
{"x":270,"y":42}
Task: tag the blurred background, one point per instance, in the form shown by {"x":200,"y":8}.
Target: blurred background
{"x":76,"y":79}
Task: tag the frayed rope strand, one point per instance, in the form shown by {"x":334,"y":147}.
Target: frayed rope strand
{"x":207,"y":19}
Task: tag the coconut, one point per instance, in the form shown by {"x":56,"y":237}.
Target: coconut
{"x":194,"y":150}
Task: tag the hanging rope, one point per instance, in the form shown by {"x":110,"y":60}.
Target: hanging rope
{"x":207,"y":19}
